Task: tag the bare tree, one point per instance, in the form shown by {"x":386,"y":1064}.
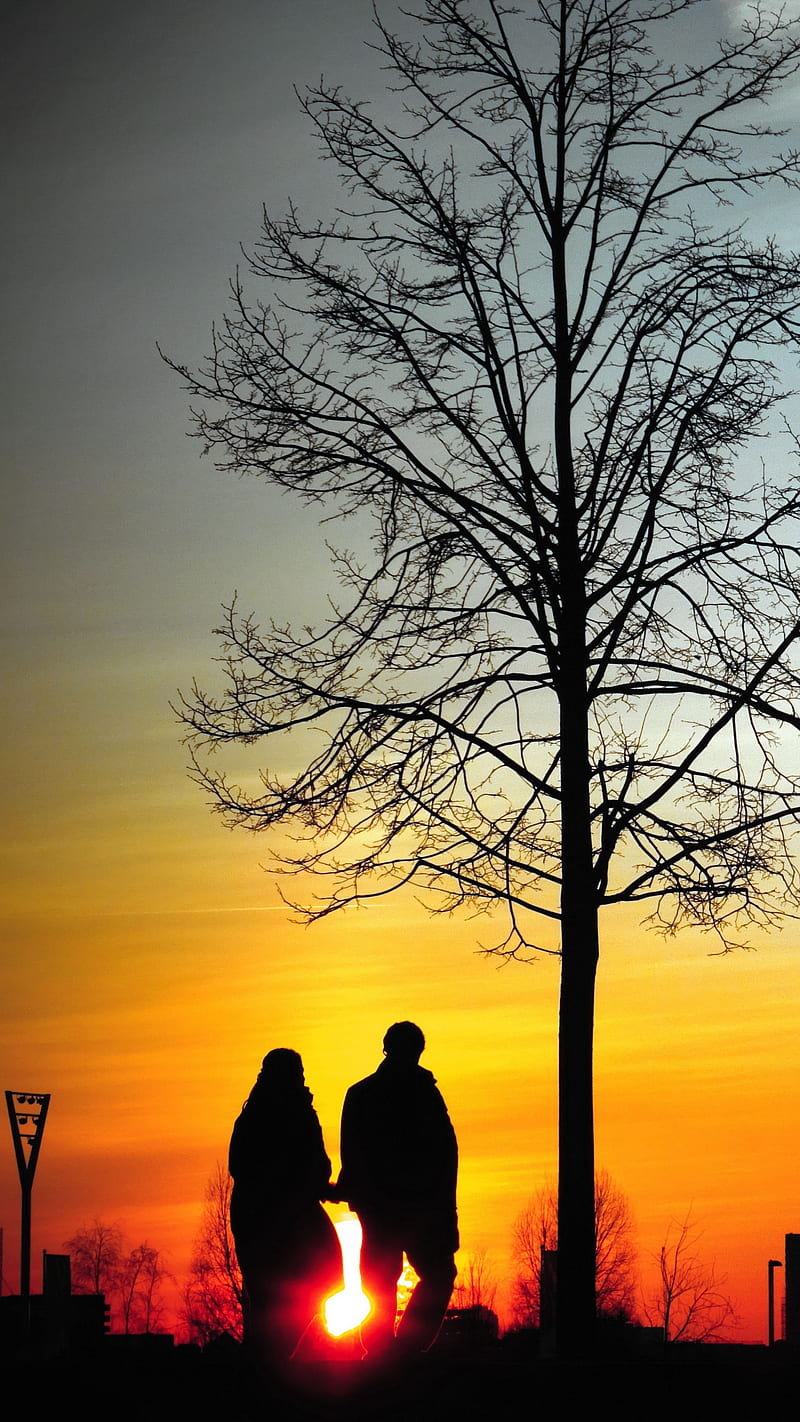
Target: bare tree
{"x":130,"y":1281}
{"x":141,"y":1275}
{"x":536,"y":1228}
{"x":212,"y":1299}
{"x":689,"y":1303}
{"x":476,"y":1282}
{"x":130,"y":1269}
{"x":95,"y":1252}
{"x":150,"y":1302}
{"x":564,"y":674}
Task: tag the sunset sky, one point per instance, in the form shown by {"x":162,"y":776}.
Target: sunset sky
{"x":148,"y":962}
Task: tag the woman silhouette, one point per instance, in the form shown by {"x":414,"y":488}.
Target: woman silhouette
{"x":287,"y":1248}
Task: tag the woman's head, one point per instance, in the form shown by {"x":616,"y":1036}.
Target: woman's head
{"x":282,"y":1068}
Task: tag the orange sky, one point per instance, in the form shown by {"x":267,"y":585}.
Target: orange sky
{"x":147,"y":961}
{"x":147,"y":1027}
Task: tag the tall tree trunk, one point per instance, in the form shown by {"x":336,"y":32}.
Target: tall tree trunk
{"x":575,"y":1297}
{"x":575,"y":1307}
{"x":575,"y":1300}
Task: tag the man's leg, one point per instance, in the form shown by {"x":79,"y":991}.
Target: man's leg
{"x":426,"y":1308}
{"x":381,"y":1267}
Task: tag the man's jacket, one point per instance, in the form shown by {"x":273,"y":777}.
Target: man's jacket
{"x":399,"y":1154}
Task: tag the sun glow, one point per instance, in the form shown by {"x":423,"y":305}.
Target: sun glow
{"x":346,"y":1310}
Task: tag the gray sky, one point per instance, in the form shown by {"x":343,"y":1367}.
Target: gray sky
{"x":140,"y":143}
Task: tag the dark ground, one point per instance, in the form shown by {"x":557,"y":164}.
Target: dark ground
{"x":748,"y":1383}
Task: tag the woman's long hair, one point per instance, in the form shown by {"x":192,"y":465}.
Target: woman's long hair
{"x":280,"y":1080}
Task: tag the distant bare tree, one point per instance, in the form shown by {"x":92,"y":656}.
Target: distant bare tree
{"x":212,"y":1299}
{"x":129,"y":1271}
{"x":616,"y":1259}
{"x":95,"y":1252}
{"x":141,"y":1275}
{"x":536,"y":1228}
{"x":476,"y":1284}
{"x":131,"y":1282}
{"x":688,"y":1304}
{"x":150,"y":1304}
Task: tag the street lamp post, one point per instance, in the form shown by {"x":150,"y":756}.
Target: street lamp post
{"x":27,"y":1113}
{"x":772,"y":1265}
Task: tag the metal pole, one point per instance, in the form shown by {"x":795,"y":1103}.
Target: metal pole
{"x":25,"y":1252}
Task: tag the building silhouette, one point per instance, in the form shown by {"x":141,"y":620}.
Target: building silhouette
{"x":792,"y":1286}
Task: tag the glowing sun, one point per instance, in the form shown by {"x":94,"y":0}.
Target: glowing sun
{"x":346,"y":1310}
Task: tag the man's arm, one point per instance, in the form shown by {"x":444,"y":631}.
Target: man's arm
{"x":350,"y":1148}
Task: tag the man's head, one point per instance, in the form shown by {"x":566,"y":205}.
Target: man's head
{"x":404,"y":1043}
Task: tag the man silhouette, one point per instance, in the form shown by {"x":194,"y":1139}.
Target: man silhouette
{"x":399,"y":1167}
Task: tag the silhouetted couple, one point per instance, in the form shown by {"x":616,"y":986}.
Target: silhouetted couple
{"x":399,"y":1167}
